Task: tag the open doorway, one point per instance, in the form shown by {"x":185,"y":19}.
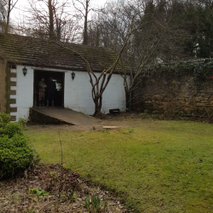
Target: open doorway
{"x":58,"y":78}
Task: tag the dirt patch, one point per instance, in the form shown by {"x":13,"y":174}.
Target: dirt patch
{"x":52,"y":189}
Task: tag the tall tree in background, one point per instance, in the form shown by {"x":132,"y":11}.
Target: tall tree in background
{"x":6,"y":6}
{"x":111,"y":26}
{"x":199,"y":22}
{"x":156,"y":36}
{"x":2,"y":15}
{"x":83,"y":8}
{"x":85,"y":37}
{"x":51,"y":19}
{"x":117,"y":19}
{"x":52,"y":34}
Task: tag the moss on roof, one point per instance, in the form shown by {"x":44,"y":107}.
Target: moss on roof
{"x":45,"y":53}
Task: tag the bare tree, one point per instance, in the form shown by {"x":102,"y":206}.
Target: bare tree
{"x":50,"y":19}
{"x":156,"y":36}
{"x":99,"y":82}
{"x":83,"y":8}
{"x":6,"y":6}
{"x":2,"y":15}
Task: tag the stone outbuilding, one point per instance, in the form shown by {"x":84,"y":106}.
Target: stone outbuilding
{"x":25,"y":60}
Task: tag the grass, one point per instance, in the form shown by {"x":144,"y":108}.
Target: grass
{"x":161,"y":166}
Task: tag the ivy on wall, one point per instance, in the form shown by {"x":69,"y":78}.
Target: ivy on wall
{"x":201,"y":70}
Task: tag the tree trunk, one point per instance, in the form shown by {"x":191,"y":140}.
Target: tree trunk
{"x":58,"y":29}
{"x":51,"y":20}
{"x":8,"y":16}
{"x":85,"y":39}
{"x":97,"y":37}
{"x":128,"y":100}
{"x":98,"y":106}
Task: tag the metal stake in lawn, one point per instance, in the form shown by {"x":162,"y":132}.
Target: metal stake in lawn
{"x":61,"y":148}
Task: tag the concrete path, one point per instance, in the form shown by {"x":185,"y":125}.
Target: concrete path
{"x":67,"y":115}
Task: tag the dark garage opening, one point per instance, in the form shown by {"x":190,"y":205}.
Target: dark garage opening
{"x":58,"y":78}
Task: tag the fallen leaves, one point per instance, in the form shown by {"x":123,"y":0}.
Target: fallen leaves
{"x":52,"y":189}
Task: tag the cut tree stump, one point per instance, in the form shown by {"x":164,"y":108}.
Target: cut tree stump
{"x":110,"y":127}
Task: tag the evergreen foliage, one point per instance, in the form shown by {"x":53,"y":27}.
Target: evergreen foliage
{"x":201,"y":69}
{"x":15,"y":153}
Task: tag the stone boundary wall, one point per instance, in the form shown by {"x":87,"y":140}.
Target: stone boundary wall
{"x":174,"y":94}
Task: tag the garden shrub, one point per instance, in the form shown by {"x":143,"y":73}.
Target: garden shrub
{"x":15,"y":153}
{"x":4,"y":118}
{"x":10,"y":129}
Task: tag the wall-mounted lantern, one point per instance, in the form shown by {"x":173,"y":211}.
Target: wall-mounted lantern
{"x":24,"y":71}
{"x":73,"y":75}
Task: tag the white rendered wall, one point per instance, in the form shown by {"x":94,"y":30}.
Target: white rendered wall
{"x":24,"y":92}
{"x":78,"y":93}
{"x":114,"y":95}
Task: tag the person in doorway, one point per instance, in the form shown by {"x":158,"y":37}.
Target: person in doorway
{"x":51,"y":87}
{"x":42,"y":89}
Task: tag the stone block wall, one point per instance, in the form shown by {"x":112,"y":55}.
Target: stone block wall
{"x":2,"y":85}
{"x":172,"y":94}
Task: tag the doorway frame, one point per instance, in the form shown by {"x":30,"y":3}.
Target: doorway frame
{"x":46,"y":72}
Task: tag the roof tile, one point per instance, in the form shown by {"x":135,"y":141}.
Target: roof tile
{"x":45,"y":53}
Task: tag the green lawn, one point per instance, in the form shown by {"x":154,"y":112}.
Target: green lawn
{"x":156,"y":166}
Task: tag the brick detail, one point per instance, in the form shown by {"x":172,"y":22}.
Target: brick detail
{"x":12,"y":101}
{"x":12,"y":92}
{"x":13,"y":109}
{"x":13,"y":118}
{"x":13,"y":84}
{"x":13,"y":75}
{"x":2,"y":86}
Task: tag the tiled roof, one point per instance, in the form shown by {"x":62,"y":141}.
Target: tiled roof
{"x":44,"y":53}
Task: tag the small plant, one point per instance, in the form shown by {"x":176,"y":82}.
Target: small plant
{"x":23,"y":123}
{"x":38,"y":192}
{"x":144,"y":115}
{"x":94,"y":204}
{"x":131,"y":130}
{"x":106,"y":131}
{"x":132,"y":116}
{"x":184,"y":118}
{"x":87,"y":202}
{"x":73,"y":198}
{"x":105,"y":203}
{"x":52,"y":173}
{"x":154,"y":116}
{"x":31,"y":211}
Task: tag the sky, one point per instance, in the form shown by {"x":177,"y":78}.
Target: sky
{"x":23,"y":3}
{"x":21,"y":6}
